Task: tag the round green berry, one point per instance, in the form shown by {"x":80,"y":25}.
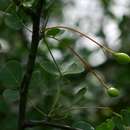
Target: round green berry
{"x":122,"y":58}
{"x":113,"y":92}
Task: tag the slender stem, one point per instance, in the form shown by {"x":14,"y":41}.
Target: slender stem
{"x":61,"y":75}
{"x":84,"y":35}
{"x":30,"y":66}
{"x":88,"y":67}
{"x":98,"y":107}
{"x":79,"y":108}
{"x":37,"y":108}
{"x":53,"y":58}
{"x":23,"y":24}
{"x":43,"y":123}
{"x":55,"y":102}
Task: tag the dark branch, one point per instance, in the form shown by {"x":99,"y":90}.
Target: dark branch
{"x":48,"y":124}
{"x":17,"y":2}
{"x":30,"y":66}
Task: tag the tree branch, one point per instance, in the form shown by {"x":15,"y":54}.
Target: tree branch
{"x":17,"y":2}
{"x":30,"y":65}
{"x":33,"y":123}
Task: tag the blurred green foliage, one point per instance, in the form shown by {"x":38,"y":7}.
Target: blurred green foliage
{"x":52,"y":96}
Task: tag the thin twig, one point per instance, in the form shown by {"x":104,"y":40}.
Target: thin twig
{"x":23,"y":24}
{"x":53,"y":58}
{"x":43,"y":123}
{"x":84,"y":35}
{"x":83,"y":108}
{"x":37,"y":109}
{"x":91,"y":107}
{"x":88,"y":67}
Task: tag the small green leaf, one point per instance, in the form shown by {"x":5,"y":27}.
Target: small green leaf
{"x":36,"y":79}
{"x":28,"y":3}
{"x":65,"y":42}
{"x":13,"y":21}
{"x":79,"y":95}
{"x":83,"y":125}
{"x":55,"y":101}
{"x":72,"y":68}
{"x":11,"y":95}
{"x":37,"y":83}
{"x":49,"y":67}
{"x":11,"y":74}
{"x":48,"y":101}
{"x":54,"y":31}
{"x":4,"y":4}
{"x":126,"y":117}
{"x":107,"y":125}
{"x":118,"y":123}
{"x":3,"y":106}
{"x":81,"y":92}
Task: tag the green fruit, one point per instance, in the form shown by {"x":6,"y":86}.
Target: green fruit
{"x":113,"y":92}
{"x":122,"y":58}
